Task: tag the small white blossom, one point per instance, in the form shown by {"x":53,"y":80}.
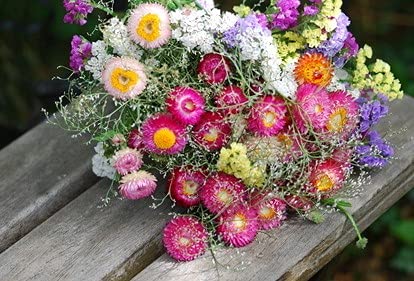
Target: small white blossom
{"x":101,"y":165}
{"x":97,"y":62}
{"x":115,"y":34}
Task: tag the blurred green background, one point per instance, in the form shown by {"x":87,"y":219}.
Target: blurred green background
{"x":34,"y":40}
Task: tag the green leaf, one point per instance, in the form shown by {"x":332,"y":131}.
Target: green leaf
{"x":105,"y":136}
{"x":404,"y":230}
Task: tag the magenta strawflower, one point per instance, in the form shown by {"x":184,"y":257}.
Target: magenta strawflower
{"x":313,"y":107}
{"x":214,"y":68}
{"x":137,"y":185}
{"x":327,"y":176}
{"x":212,"y":132}
{"x":184,"y":184}
{"x":296,"y":202}
{"x":127,"y":160}
{"x":185,"y":238}
{"x":268,"y":116}
{"x":231,"y":100}
{"x":163,"y":134}
{"x":271,"y":211}
{"x":186,"y":105}
{"x":77,"y":11}
{"x":238,"y":225}
{"x":81,"y":51}
{"x":135,"y":139}
{"x":220,"y":191}
{"x":344,"y":114}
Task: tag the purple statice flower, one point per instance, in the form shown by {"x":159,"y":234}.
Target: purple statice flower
{"x":81,"y":52}
{"x":336,"y":42}
{"x":262,"y":20}
{"x":77,"y":11}
{"x":252,"y":22}
{"x":349,"y":50}
{"x":288,"y":14}
{"x":376,"y":152}
{"x":310,"y":10}
{"x":371,"y":111}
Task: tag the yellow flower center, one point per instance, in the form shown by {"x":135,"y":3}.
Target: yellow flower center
{"x":324,"y":183}
{"x":124,"y":80}
{"x":164,"y":138}
{"x":190,"y":188}
{"x":212,"y":135}
{"x":239,"y":222}
{"x":267,"y":213}
{"x":224,"y":196}
{"x":184,"y":241}
{"x":149,"y":27}
{"x":318,"y":108}
{"x":337,"y":120}
{"x":269,"y":119}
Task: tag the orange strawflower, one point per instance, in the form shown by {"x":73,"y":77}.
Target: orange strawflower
{"x":315,"y":69}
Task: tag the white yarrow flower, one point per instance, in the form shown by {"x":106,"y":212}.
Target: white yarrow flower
{"x":101,"y":166}
{"x":99,"y":58}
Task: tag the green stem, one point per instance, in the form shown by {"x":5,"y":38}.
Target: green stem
{"x":103,"y":8}
{"x":362,"y":241}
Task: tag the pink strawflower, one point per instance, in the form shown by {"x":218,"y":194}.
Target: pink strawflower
{"x":238,"y":225}
{"x":124,"y":78}
{"x":163,"y":134}
{"x":184,"y":184}
{"x":127,"y":160}
{"x":212,"y":132}
{"x":214,"y":68}
{"x":313,"y":107}
{"x":326,"y":176}
{"x":268,"y":116}
{"x":118,"y":139}
{"x":220,"y":191}
{"x":135,"y":139}
{"x":231,"y":100}
{"x":186,"y":105}
{"x":137,"y":185}
{"x":271,"y":211}
{"x":149,"y":25}
{"x":185,"y":238}
{"x":344,"y":114}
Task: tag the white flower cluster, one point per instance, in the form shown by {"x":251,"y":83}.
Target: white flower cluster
{"x":284,"y":82}
{"x":101,"y":165}
{"x":99,"y":58}
{"x":115,"y":34}
{"x":337,"y":84}
{"x":196,"y":29}
{"x":206,"y":4}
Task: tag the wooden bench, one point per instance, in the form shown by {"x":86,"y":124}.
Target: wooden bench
{"x":53,"y":225}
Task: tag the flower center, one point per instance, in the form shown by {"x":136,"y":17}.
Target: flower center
{"x":267,"y":213}
{"x":269,"y":119}
{"x":149,"y":27}
{"x":337,"y":120}
{"x":124,"y":80}
{"x":224,"y":197}
{"x":324,"y":183}
{"x":318,"y":108}
{"x":164,"y":138}
{"x":212,"y":135}
{"x":184,"y":241}
{"x":188,"y":105}
{"x":190,"y":187}
{"x":239,"y":222}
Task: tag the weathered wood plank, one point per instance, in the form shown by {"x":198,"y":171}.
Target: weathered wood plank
{"x":85,"y":241}
{"x":40,"y":172}
{"x":299,"y":248}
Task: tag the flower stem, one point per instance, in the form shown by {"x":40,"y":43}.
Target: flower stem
{"x":362,"y":241}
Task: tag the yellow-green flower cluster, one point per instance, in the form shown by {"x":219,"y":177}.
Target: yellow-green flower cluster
{"x":289,"y":44}
{"x":376,"y":76}
{"x":317,"y":29}
{"x":234,"y":161}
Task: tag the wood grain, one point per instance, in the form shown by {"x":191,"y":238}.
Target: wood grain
{"x":86,"y":241}
{"x":299,"y":248}
{"x":40,"y":172}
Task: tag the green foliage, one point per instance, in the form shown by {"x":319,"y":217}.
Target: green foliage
{"x":404,"y":231}
{"x":404,"y":260}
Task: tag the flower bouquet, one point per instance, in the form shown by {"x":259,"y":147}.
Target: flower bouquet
{"x":251,"y":115}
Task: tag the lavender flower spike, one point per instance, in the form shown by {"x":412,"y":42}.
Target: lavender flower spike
{"x":81,"y":52}
{"x":77,"y":11}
